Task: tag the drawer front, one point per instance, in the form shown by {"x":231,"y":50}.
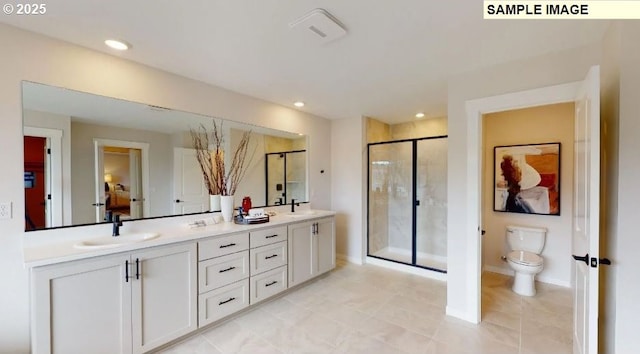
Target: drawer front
{"x":267,"y":284}
{"x":268,"y":257}
{"x":268,"y":236}
{"x":222,"y":302}
{"x":221,"y":246}
{"x":220,"y":271}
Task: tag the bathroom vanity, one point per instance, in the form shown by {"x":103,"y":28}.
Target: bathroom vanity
{"x":136,"y":297}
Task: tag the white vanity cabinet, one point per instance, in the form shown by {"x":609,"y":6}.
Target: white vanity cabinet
{"x":125,"y":303}
{"x":312,"y":249}
{"x":269,"y":257}
{"x":224,"y":277}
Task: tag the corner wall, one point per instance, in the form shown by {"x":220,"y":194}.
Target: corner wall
{"x":543,"y":124}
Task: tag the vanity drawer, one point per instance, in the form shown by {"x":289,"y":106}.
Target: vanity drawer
{"x":222,"y":302}
{"x":221,"y":246}
{"x":268,"y":257}
{"x":220,"y":271}
{"x":268,"y":284}
{"x":268,"y":236}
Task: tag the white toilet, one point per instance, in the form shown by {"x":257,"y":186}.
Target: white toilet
{"x":526,"y":244}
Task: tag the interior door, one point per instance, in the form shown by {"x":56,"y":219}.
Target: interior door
{"x":101,"y":194}
{"x":136,"y":194}
{"x":190,"y":193}
{"x":586,"y":210}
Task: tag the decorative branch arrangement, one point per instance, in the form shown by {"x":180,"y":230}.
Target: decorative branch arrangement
{"x":209,"y":148}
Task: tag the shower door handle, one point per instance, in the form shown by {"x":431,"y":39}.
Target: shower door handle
{"x":417,"y":203}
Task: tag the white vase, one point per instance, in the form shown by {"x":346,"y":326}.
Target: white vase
{"x":214,"y":202}
{"x":226,"y":206}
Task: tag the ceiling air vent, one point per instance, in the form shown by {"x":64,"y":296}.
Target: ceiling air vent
{"x":321,"y":25}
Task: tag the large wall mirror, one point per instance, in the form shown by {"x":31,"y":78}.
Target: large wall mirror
{"x":87,"y":156}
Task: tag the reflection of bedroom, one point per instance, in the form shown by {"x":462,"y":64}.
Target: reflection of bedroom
{"x":117,"y":180}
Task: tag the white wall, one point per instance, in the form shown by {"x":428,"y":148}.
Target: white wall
{"x":348,"y":182}
{"x":626,"y":245}
{"x":534,"y":125}
{"x":463,"y":268}
{"x":32,"y":57}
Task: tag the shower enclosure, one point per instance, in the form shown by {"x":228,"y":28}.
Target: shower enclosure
{"x":286,"y":177}
{"x":407,"y":202}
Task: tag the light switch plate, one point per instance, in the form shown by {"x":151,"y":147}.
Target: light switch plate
{"x":5,"y":210}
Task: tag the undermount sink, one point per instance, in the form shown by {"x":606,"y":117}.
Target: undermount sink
{"x":116,"y":241}
{"x":301,"y":213}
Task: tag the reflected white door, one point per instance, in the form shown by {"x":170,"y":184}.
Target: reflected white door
{"x":101,"y":194}
{"x":190,"y":193}
{"x":136,"y":193}
{"x":586,"y":211}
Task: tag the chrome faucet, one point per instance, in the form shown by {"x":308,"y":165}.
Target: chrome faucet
{"x":116,"y":225}
{"x":293,"y":205}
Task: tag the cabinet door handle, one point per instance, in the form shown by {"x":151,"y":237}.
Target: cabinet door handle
{"x":225,"y":301}
{"x":272,"y":283}
{"x":271,"y":236}
{"x":229,"y":245}
{"x":317,"y":228}
{"x":137,"y":268}
{"x":226,"y":270}
{"x":126,"y":271}
{"x":271,"y":256}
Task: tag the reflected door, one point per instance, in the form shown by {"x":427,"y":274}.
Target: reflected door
{"x":189,"y":191}
{"x":35,"y":189}
{"x":136,"y":193}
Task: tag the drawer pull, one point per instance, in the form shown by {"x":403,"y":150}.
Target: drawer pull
{"x":272,"y":283}
{"x":226,"y":270}
{"x":271,"y":236}
{"x":225,"y":301}
{"x":271,"y":256}
{"x":229,"y":245}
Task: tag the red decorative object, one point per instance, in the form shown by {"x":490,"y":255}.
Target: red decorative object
{"x":246,"y":204}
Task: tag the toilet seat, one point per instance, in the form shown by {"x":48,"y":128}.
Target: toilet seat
{"x":525,"y":258}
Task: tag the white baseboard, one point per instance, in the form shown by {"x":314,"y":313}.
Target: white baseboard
{"x":407,"y":269}
{"x":347,"y":258}
{"x":462,"y":315}
{"x":542,"y":279}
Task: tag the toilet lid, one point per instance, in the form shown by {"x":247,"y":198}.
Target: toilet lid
{"x":525,"y":258}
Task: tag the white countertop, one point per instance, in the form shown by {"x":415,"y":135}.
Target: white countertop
{"x":171,"y":230}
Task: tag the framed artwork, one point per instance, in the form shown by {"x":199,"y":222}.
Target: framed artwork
{"x":527,"y":179}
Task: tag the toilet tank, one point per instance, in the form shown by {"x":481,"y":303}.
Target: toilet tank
{"x":523,"y":238}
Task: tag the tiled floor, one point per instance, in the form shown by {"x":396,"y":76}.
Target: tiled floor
{"x":367,"y":309}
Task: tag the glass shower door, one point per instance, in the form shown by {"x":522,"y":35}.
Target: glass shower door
{"x":275,"y":179}
{"x":390,"y":201}
{"x":296,"y":165}
{"x":431,"y":209}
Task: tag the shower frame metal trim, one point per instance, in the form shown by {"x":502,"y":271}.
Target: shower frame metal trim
{"x":416,"y":203}
{"x":266,"y":173}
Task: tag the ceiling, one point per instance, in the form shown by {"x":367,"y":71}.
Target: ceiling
{"x":394,"y":61}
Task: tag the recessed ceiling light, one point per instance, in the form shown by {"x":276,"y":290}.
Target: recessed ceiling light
{"x":298,"y":104}
{"x":419,"y":115}
{"x":117,"y":44}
